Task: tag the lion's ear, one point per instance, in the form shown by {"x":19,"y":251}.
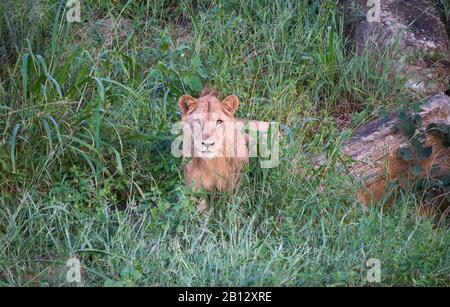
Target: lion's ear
{"x":185,"y":103}
{"x":231,"y":103}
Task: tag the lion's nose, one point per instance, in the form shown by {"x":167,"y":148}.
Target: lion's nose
{"x":208,"y":144}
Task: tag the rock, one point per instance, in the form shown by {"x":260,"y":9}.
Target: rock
{"x":372,"y":151}
{"x":423,"y":47}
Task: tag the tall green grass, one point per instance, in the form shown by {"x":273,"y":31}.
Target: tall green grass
{"x":85,"y":135}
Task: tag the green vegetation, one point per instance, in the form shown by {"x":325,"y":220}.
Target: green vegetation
{"x":86,"y":111}
{"x":433,"y":187}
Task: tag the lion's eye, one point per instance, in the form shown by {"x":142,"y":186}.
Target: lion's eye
{"x":219,"y":122}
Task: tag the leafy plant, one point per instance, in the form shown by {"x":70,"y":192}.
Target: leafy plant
{"x":441,"y":130}
{"x":434,"y":185}
{"x":416,"y":151}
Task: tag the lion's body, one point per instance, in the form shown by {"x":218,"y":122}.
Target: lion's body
{"x":213,"y":174}
{"x":210,"y":168}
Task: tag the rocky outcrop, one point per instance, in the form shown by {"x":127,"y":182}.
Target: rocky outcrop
{"x":416,"y":31}
{"x":372,"y":151}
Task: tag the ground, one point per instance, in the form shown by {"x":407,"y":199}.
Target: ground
{"x":86,"y":111}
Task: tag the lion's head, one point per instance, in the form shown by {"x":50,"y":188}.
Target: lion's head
{"x":209,"y":120}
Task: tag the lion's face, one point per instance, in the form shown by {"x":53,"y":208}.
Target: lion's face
{"x":209,"y":120}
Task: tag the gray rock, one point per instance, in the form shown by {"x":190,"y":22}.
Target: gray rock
{"x":372,"y":157}
{"x":419,"y":35}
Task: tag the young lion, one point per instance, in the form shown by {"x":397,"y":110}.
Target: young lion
{"x":212,"y":126}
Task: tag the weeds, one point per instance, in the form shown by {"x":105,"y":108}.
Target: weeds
{"x":85,"y":159}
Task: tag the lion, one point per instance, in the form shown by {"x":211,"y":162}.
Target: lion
{"x":212,"y":126}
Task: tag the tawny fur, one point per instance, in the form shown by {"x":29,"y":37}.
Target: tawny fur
{"x":217,"y":173}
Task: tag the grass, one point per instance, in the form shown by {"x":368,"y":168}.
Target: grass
{"x":86,"y":112}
